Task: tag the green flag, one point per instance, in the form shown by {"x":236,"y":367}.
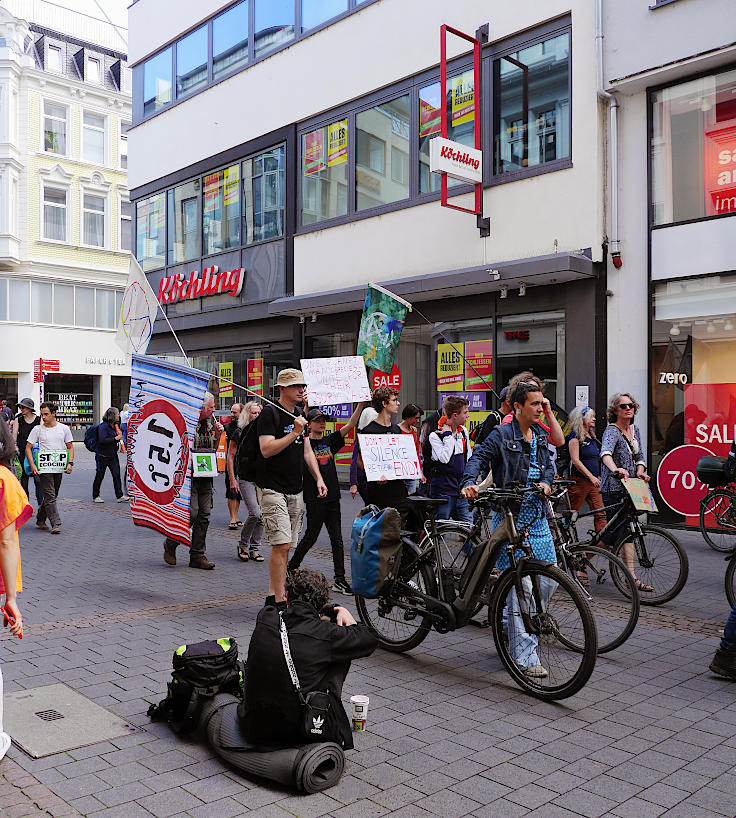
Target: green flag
{"x":380,"y":327}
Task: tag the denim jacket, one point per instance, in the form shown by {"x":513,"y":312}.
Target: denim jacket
{"x":507,"y":453}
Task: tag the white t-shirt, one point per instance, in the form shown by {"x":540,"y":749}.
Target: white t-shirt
{"x":52,"y":438}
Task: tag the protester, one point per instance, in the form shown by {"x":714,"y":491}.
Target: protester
{"x":622,"y":454}
{"x":206,"y":434}
{"x":232,"y":494}
{"x":450,"y":445}
{"x":325,"y":510}
{"x":481,"y":432}
{"x":384,"y":493}
{"x":323,"y":640}
{"x":7,"y":412}
{"x":282,"y":451}
{"x":15,"y":512}
{"x":585,"y":470}
{"x":50,"y":435}
{"x":517,"y":454}
{"x":724,"y":661}
{"x":109,"y":437}
{"x":411,"y":421}
{"x":555,"y":434}
{"x":241,"y":473}
{"x":358,"y":482}
{"x":21,"y":427}
{"x":124,"y":418}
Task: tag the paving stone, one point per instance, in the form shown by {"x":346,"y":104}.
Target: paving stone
{"x":448,"y":804}
{"x":610,"y":787}
{"x":213,"y":788}
{"x":723,"y":803}
{"x":585,"y":803}
{"x":170,"y":802}
{"x":481,"y":789}
{"x":123,"y":794}
{"x":638,"y":808}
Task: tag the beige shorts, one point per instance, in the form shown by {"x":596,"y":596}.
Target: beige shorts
{"x":282,"y":516}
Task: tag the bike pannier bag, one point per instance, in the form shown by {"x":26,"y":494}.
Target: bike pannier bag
{"x":712,"y":471}
{"x":375,"y":550}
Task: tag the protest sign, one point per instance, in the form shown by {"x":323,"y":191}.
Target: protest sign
{"x":52,"y":461}
{"x":204,"y":464}
{"x":391,"y":456}
{"x":165,"y":400}
{"x":640,"y":493}
{"x":332,"y":381}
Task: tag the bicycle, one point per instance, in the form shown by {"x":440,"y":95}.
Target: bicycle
{"x":533,"y":601}
{"x":718,"y":518}
{"x":730,"y":578}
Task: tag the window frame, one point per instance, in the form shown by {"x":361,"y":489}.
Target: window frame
{"x":57,"y":49}
{"x":67,"y":123}
{"x":92,"y":190}
{"x":105,"y":131}
{"x":123,"y":198}
{"x":101,"y":67}
{"x":67,"y":190}
{"x":123,"y":137}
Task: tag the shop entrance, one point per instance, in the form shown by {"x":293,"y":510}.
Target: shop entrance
{"x":76,"y":397}
{"x":9,"y":388}
{"x":119,"y":390}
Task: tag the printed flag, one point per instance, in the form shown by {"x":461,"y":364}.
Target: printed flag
{"x":165,"y":399}
{"x":137,"y":312}
{"x":380,"y":327}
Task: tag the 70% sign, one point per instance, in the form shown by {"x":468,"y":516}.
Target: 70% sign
{"x":677,"y":481}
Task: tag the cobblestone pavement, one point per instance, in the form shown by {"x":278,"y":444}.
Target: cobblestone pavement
{"x":653,"y":733}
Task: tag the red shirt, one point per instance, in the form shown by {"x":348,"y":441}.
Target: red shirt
{"x":510,"y":417}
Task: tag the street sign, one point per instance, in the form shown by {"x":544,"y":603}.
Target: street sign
{"x":677,"y":480}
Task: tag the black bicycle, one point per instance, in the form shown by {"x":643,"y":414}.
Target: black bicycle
{"x":718,"y":518}
{"x":731,"y":578}
{"x":543,"y":628}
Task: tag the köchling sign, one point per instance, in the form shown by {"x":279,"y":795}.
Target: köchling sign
{"x":178,"y":287}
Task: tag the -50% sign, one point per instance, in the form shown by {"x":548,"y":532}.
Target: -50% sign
{"x":677,"y":481}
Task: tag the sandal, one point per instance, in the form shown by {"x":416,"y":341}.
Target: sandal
{"x":642,"y":588}
{"x":239,"y":523}
{"x":255,"y":555}
{"x":582,"y":578}
{"x":243,"y":553}
{"x":233,"y":526}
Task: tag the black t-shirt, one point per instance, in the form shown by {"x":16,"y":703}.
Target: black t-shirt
{"x":283,"y":471}
{"x":324,"y":450}
{"x":24,"y":429}
{"x":392,"y":491}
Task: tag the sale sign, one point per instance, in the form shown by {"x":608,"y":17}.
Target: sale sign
{"x":225,"y":373}
{"x":254,"y":375}
{"x":337,"y":143}
{"x":391,"y":456}
{"x":392,"y":380}
{"x":677,"y":481}
{"x":478,"y":365}
{"x":450,"y":367}
{"x":314,"y":151}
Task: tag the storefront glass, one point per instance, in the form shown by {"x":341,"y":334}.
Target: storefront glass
{"x":264,"y":192}
{"x":324,"y":180}
{"x":183,"y":222}
{"x":76,"y":399}
{"x":151,"y":232}
{"x":221,"y":216}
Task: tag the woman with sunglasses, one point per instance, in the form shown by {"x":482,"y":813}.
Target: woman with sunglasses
{"x":621,"y":454}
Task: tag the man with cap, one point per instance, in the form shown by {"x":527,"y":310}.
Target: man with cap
{"x":325,"y":510}
{"x":21,"y":427}
{"x":282,"y":452}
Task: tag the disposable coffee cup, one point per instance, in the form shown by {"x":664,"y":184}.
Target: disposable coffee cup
{"x":360,"y":712}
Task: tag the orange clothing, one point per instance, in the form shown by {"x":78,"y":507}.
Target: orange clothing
{"x":14,"y":508}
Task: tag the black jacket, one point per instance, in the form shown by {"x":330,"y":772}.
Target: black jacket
{"x":322,"y":652}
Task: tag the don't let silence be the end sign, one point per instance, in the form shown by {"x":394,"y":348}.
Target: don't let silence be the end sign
{"x":391,"y":456}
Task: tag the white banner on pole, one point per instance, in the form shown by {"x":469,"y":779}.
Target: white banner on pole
{"x":331,"y":381}
{"x":391,"y":456}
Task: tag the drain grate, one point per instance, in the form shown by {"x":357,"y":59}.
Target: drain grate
{"x":49,"y":715}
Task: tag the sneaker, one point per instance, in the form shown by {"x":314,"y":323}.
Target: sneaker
{"x":56,"y":529}
{"x":724,"y":663}
{"x":342,"y":586}
{"x":535,"y":672}
{"x":42,"y":525}
{"x":201,"y":562}
{"x":98,"y":500}
{"x":123,"y":499}
{"x":169,"y":554}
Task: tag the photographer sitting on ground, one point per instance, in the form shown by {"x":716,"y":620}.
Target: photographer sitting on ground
{"x":323,"y":640}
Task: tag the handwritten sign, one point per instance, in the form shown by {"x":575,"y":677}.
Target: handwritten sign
{"x":640,"y":493}
{"x":332,"y":381}
{"x":391,"y":456}
{"x":52,"y":461}
{"x":204,"y":463}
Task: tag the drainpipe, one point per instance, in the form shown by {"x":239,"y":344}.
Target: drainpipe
{"x":610,"y":99}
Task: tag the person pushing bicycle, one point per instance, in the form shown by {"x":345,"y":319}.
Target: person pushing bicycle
{"x":517,"y":454}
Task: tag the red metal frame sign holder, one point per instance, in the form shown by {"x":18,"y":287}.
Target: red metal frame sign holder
{"x":484,"y":224}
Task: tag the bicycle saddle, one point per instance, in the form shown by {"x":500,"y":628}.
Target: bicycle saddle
{"x":427,"y":502}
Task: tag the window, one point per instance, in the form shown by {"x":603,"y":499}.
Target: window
{"x":693,"y":149}
{"x":532,"y":123}
{"x":221,"y":222}
{"x":315,"y":12}
{"x":19,"y":303}
{"x":123,"y":148}
{"x":40,"y":302}
{"x":125,"y":226}
{"x":384,"y":126}
{"x":264,"y":193}
{"x":84,"y":302}
{"x":54,"y":128}
{"x":93,"y":220}
{"x":274,"y":24}
{"x":3,"y":299}
{"x":183,"y":212}
{"x":118,"y":304}
{"x":93,"y":138}
{"x":399,"y":166}
{"x":54,"y":59}
{"x":157,"y":82}
{"x":230,"y":40}
{"x":191,"y":62}
{"x":63,"y":304}
{"x":54,"y":214}
{"x":325,"y":172}
{"x":151,"y":232}
{"x":105,"y":309}
{"x":94,"y":71}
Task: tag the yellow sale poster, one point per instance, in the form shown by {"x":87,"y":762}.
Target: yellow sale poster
{"x":463,"y":99}
{"x":225,"y":370}
{"x":450,"y":367}
{"x":232,"y":184}
{"x":337,"y":143}
{"x":475,"y":419}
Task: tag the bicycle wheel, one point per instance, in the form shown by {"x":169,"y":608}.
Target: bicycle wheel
{"x":398,"y":630}
{"x":616,"y":613}
{"x":457,"y":543}
{"x":659,"y":561}
{"x":731,"y":580}
{"x":564,"y":638}
{"x":718,"y":519}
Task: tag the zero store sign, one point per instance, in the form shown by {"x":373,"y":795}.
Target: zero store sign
{"x":456,"y":160}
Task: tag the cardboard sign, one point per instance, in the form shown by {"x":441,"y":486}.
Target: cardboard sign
{"x":222,"y":453}
{"x":52,"y":461}
{"x":640,"y":493}
{"x":332,"y":381}
{"x":204,"y":463}
{"x":391,"y":456}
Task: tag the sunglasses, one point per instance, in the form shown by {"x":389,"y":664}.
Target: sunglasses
{"x":626,"y":406}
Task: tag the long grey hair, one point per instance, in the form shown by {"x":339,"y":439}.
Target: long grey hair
{"x":244,"y":418}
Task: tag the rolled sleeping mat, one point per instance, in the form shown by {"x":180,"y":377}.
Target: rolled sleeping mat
{"x":310,"y":768}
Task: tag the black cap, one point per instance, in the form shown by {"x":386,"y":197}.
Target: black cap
{"x":504,"y":393}
{"x":316,"y":414}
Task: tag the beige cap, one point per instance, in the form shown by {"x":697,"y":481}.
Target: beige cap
{"x":291,"y":377}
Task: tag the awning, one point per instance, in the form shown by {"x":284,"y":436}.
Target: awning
{"x":556,"y":268}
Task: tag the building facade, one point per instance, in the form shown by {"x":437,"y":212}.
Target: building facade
{"x":65,"y":234}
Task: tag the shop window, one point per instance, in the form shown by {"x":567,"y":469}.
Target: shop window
{"x":19,"y":303}
{"x":105,"y":309}
{"x":191,"y":62}
{"x":150,"y":232}
{"x":221,"y":224}
{"x":693,"y":149}
{"x":40,"y":302}
{"x":93,"y":220}
{"x":274,"y":24}
{"x":325,"y":172}
{"x":183,"y":222}
{"x":386,"y":126}
{"x":54,"y":128}
{"x":84,"y":306}
{"x":315,"y":12}
{"x":125,"y":228}
{"x":157,"y":82}
{"x":64,"y":304}
{"x":532,"y":122}
{"x":93,"y":138}
{"x":123,"y":146}
{"x":264,"y":183}
{"x":54,"y":214}
{"x":230,"y":40}
{"x":3,"y":299}
{"x":53,"y":62}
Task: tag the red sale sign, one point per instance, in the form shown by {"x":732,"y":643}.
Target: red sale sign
{"x":677,"y":482}
{"x":392,"y":380}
